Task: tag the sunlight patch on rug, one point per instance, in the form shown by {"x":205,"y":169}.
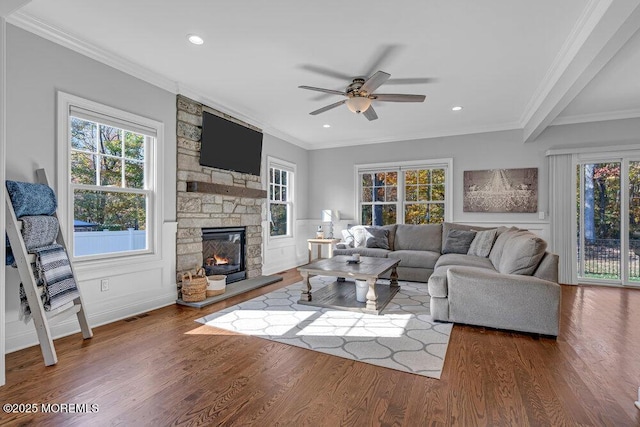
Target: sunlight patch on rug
{"x":405,"y":337}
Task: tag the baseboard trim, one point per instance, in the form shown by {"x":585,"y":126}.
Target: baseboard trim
{"x":70,"y":326}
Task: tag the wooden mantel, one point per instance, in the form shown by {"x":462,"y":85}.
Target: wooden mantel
{"x":226,"y":190}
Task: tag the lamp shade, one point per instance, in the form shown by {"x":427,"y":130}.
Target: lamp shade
{"x":329,"y":215}
{"x":358,"y":104}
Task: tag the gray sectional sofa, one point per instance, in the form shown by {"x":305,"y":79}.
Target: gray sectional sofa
{"x":501,"y":278}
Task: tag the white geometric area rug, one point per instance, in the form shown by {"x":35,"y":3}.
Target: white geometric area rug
{"x":405,"y":337}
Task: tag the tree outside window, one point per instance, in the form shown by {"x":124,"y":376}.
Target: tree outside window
{"x":107,"y":177}
{"x":280,"y":201}
{"x":408,"y":195}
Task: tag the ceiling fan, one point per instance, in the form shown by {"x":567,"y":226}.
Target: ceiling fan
{"x":360,"y":94}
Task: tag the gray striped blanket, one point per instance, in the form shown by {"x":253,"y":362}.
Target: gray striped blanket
{"x":53,"y":270}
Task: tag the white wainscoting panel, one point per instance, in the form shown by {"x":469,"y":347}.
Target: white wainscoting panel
{"x":134,"y":288}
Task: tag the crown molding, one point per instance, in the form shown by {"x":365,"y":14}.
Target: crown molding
{"x":419,"y":135}
{"x":7,"y":7}
{"x":49,"y":32}
{"x":250,"y":119}
{"x":581,"y":31}
{"x":56,"y":35}
{"x":597,"y":117}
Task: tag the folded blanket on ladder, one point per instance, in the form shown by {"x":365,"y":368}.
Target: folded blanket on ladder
{"x":54,"y":272}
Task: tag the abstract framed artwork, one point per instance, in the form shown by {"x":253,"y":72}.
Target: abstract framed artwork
{"x":501,"y":190}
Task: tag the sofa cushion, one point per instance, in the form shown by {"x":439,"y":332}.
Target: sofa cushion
{"x":377,"y":238}
{"x":448,"y":226}
{"x":449,"y":260}
{"x":372,"y":252}
{"x":498,"y":245}
{"x":417,"y":259}
{"x":392,"y":234}
{"x":522,"y":254}
{"x":548,"y":268}
{"x":482,"y":243}
{"x":458,"y":242}
{"x":424,"y":237}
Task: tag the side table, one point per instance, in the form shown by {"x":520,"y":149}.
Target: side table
{"x":320,"y":243}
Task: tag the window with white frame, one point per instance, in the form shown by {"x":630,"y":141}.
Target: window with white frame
{"x":406,"y":193}
{"x":109,"y":171}
{"x":281,"y":176}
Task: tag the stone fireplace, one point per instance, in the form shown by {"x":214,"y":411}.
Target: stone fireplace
{"x":213,"y":198}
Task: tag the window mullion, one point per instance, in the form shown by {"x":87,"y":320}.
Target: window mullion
{"x":123,"y":182}
{"x":400,"y":204}
{"x":98,"y":158}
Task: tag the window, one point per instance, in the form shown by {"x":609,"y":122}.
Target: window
{"x":280,"y":198}
{"x":109,"y":173}
{"x":409,"y":193}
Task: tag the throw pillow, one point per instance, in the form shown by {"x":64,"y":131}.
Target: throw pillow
{"x":31,"y":199}
{"x":482,"y":243}
{"x":458,"y":241}
{"x":359,"y":236}
{"x":377,"y":238}
{"x":347,"y":238}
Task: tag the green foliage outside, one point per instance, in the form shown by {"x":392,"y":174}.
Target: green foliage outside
{"x":423,"y":202}
{"x":278,"y":195}
{"x":112,"y":159}
{"x":602,"y":226}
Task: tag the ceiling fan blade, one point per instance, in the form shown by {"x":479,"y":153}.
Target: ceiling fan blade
{"x":411,"y":81}
{"x":397,"y":97}
{"x":384,"y":56}
{"x":319,"y":89}
{"x":374,"y":82}
{"x":328,"y":107}
{"x":326,"y":72}
{"x":370,"y":113}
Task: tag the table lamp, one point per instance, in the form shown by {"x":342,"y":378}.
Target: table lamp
{"x":329,"y":216}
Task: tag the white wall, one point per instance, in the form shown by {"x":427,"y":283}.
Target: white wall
{"x":334,"y":186}
{"x":284,"y":253}
{"x":3,"y":111}
{"x":36,"y":70}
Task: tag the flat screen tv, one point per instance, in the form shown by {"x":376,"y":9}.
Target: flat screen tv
{"x":230,"y":146}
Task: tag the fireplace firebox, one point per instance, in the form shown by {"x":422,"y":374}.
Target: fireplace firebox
{"x":223,"y":252}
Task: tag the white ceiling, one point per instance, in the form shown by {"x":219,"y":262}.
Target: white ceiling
{"x":512,"y":64}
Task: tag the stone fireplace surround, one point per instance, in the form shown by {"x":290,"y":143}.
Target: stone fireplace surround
{"x":209,"y":197}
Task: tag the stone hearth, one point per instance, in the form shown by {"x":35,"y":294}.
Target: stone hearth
{"x":230,"y":201}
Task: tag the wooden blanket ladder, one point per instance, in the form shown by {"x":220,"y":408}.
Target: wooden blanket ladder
{"x":41,"y":318}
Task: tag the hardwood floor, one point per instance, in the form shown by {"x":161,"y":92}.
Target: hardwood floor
{"x":164,"y":369}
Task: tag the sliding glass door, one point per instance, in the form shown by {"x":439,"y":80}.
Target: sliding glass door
{"x":634,"y":222}
{"x":608,"y":215}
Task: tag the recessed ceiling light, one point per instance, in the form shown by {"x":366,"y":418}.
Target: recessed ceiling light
{"x":456,"y":108}
{"x":326,"y":126}
{"x":195,"y":39}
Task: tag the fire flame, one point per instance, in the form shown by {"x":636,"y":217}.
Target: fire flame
{"x":220,"y":260}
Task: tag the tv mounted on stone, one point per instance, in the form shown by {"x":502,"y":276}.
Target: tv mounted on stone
{"x":230,"y":146}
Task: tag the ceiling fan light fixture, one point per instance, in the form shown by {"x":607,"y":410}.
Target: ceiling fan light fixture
{"x":358,"y":104}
